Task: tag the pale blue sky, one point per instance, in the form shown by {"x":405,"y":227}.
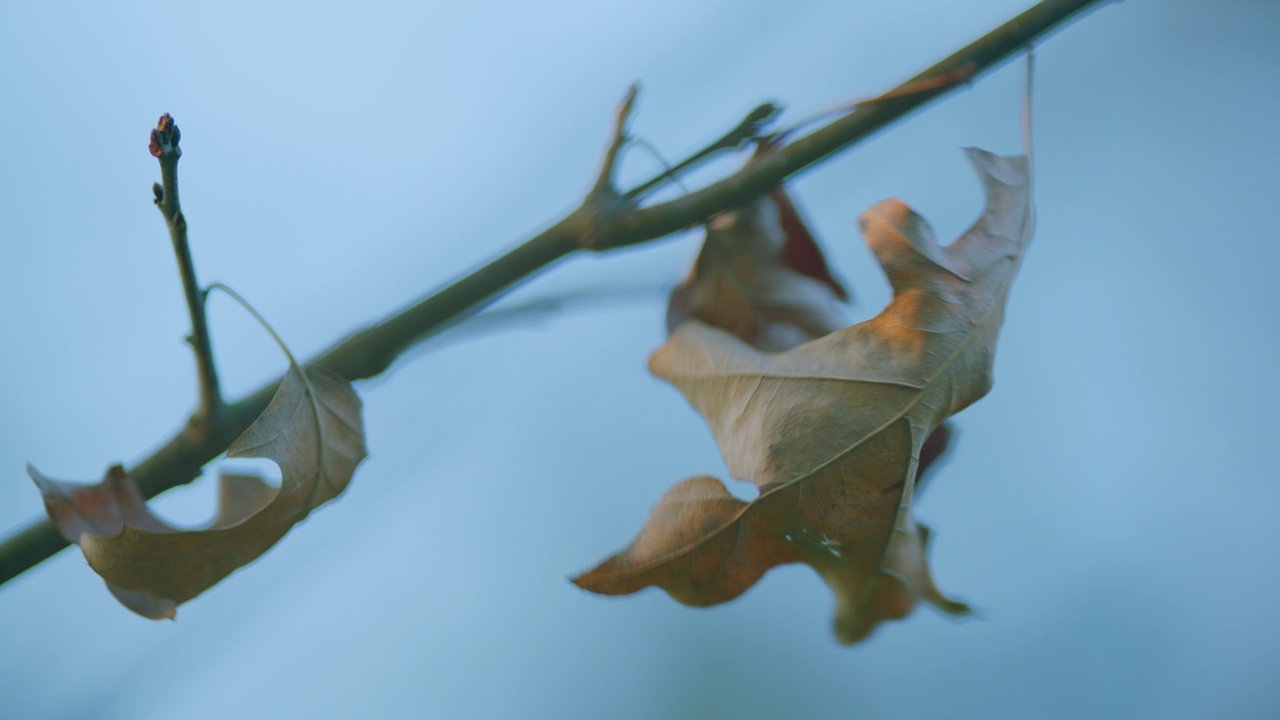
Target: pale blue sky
{"x":1110,"y":506}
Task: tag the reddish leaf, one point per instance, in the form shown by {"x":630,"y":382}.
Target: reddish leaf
{"x":801,"y":252}
{"x":762,"y":277}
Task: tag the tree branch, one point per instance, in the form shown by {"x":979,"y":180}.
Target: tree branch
{"x":605,"y":220}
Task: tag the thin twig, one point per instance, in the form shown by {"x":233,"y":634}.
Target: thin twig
{"x":751,"y":127}
{"x":596,"y":225}
{"x":164,"y":147}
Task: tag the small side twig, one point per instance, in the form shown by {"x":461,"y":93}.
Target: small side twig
{"x":164,"y":147}
{"x":751,"y":127}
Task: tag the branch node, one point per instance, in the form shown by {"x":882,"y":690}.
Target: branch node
{"x":592,"y":223}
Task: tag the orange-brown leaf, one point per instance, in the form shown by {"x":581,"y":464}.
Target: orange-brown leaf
{"x":831,"y":430}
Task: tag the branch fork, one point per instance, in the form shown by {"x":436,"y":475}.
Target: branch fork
{"x":606,"y":210}
{"x":591,"y":223}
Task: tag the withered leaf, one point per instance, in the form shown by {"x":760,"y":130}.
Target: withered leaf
{"x":761,"y":277}
{"x":312,"y":429}
{"x":831,"y":430}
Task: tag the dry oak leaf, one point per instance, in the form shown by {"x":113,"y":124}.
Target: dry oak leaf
{"x":312,"y":429}
{"x":831,"y":430}
{"x":761,"y":276}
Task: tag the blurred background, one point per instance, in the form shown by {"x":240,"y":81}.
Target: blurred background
{"x":1110,"y":506}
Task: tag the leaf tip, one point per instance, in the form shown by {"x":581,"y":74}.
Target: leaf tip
{"x":147,"y":605}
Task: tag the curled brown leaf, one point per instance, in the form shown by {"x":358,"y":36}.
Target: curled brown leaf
{"x":312,"y":429}
{"x":831,"y":431}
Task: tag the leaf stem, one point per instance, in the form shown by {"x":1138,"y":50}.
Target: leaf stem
{"x":256,"y":316}
{"x":604,"y":221}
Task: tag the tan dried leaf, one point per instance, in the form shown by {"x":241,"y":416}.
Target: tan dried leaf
{"x":761,"y":276}
{"x":831,"y":431}
{"x":312,"y":429}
